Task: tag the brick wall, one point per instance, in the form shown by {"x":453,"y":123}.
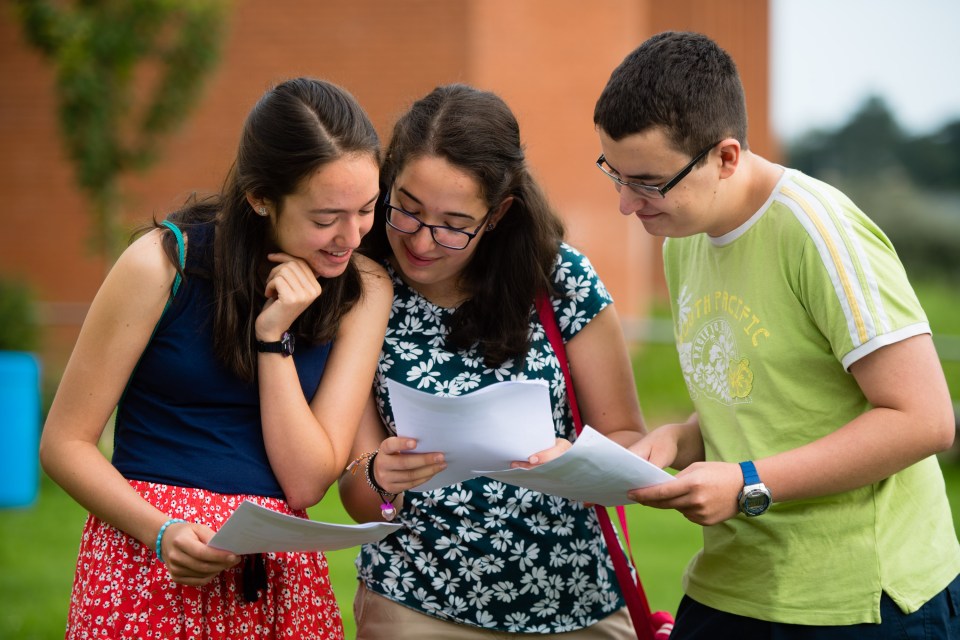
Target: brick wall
{"x":548,"y":58}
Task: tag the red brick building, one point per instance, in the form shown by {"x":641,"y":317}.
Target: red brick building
{"x":549,"y":59}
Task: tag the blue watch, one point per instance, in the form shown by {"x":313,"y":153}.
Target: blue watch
{"x":755,"y":498}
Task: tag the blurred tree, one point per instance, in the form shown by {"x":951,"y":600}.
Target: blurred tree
{"x":865,"y":145}
{"x":127,"y":72}
{"x":934,"y":160}
{"x":872,"y":143}
{"x":909,"y":185}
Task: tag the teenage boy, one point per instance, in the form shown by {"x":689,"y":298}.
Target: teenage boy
{"x":820,"y":400}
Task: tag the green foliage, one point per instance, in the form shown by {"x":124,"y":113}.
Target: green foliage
{"x":934,"y":160}
{"x":872,"y":145}
{"x":19,"y":327}
{"x":868,"y":143}
{"x":127,"y":73}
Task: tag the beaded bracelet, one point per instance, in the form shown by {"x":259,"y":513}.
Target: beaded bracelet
{"x":160,"y":535}
{"x":387,"y":510}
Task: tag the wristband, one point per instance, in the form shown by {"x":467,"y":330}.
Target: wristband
{"x":160,"y":535}
{"x":387,"y":510}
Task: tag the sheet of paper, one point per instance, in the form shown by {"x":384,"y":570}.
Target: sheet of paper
{"x":485,"y":429}
{"x":255,"y":529}
{"x":595,"y":469}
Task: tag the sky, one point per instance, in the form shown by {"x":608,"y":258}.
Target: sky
{"x":829,"y":55}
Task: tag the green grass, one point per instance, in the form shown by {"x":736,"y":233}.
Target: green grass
{"x":38,"y":551}
{"x":39,"y":546}
{"x":939,"y":300}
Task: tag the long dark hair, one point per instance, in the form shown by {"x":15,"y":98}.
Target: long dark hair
{"x":476,"y":132}
{"x":293,"y":130}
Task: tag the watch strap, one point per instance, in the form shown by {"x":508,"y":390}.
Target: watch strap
{"x":284,"y":345}
{"x":750,"y":475}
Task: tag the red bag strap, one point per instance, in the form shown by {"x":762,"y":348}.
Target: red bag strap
{"x":633,"y":593}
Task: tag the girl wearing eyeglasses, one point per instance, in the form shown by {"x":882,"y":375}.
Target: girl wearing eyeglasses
{"x":470,"y":241}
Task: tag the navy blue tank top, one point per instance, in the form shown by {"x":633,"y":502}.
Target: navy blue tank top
{"x":185,"y":418}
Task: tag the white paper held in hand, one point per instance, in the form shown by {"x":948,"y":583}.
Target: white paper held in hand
{"x":255,"y":529}
{"x":595,"y":469}
{"x":486,"y":429}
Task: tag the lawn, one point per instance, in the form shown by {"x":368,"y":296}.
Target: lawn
{"x":38,"y":550}
{"x":38,"y":545}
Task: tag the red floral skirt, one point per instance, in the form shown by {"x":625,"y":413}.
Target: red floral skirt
{"x":121,"y":590}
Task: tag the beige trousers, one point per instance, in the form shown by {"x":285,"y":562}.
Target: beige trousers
{"x":380,"y":618}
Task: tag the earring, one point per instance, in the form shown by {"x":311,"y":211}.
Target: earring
{"x":262,"y":211}
{"x":490,"y":226}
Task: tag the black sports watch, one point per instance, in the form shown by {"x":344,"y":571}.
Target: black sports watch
{"x":755,"y":498}
{"x":284,"y":345}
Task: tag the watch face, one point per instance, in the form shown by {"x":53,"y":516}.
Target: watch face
{"x":754,"y":502}
{"x":286,"y":343}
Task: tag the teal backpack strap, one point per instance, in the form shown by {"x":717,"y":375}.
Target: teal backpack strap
{"x":180,"y":253}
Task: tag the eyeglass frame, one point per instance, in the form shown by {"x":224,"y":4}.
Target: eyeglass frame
{"x":421,"y":224}
{"x":650,"y":190}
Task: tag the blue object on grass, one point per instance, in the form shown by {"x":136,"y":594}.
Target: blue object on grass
{"x":19,"y":428}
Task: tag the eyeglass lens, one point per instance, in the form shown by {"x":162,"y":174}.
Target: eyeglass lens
{"x":445,"y":236}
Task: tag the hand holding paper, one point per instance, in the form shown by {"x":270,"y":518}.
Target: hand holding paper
{"x":255,"y":529}
{"x":481,"y":433}
{"x":595,"y":469}
{"x":486,"y":429}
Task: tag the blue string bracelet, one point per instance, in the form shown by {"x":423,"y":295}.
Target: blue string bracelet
{"x":160,"y":535}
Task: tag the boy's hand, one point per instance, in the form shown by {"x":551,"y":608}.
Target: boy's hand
{"x":704,"y":492}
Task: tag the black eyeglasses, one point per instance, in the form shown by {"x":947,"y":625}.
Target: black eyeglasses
{"x":650,"y":190}
{"x":449,"y":237}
